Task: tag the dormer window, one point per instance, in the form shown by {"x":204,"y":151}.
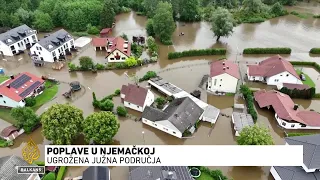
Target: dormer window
{"x":50,"y":46}
{"x":9,"y":40}
{"x":17,"y":92}
{"x":31,"y":81}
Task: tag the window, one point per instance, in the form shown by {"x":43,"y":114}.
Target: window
{"x":220,"y":85}
{"x":287,"y":75}
{"x":19,"y":44}
{"x":123,"y":58}
{"x":129,"y":103}
{"x":280,"y":74}
{"x":220,"y":79}
{"x":41,"y":58}
{"x":215,"y":82}
{"x":174,"y":132}
{"x":276,"y":80}
{"x":283,"y":124}
{"x":292,"y":125}
{"x":39,"y":53}
{"x":37,"y":48}
{"x":40,"y":48}
{"x":166,"y":129}
{"x":112,"y":59}
{"x":138,"y":106}
{"x":1,"y":95}
{"x":4,"y":101}
{"x":53,"y":53}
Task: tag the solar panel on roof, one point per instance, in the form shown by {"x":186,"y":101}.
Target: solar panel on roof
{"x":20,"y":81}
{"x":30,"y":89}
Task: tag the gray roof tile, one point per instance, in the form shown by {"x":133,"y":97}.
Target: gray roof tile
{"x":16,"y":34}
{"x":96,"y":173}
{"x":295,"y":173}
{"x":8,"y":166}
{"x":55,"y":39}
{"x":159,"y":172}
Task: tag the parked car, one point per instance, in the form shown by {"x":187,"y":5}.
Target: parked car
{"x":303,"y":77}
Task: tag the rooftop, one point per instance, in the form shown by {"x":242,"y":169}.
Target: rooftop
{"x":8,"y":165}
{"x":96,"y":173}
{"x":295,"y":173}
{"x":272,"y":66}
{"x":105,"y":30}
{"x":284,"y":107}
{"x":120,"y":44}
{"x":55,"y":40}
{"x":16,"y":34}
{"x":211,"y":112}
{"x":241,"y":120}
{"x":21,"y":86}
{"x":134,"y":94}
{"x":101,"y":42}
{"x":224,"y":66}
{"x":159,"y":173}
{"x":166,"y":85}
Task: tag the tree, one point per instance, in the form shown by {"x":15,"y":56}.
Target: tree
{"x":160,"y":102}
{"x":149,"y":28}
{"x":163,"y":23}
{"x":255,"y":135}
{"x":152,"y":44}
{"x":25,"y":118}
{"x":253,"y":6}
{"x":122,"y":111}
{"x":92,"y":29}
{"x":61,"y":123}
{"x":107,"y":15}
{"x":43,"y":21}
{"x":222,"y":23}
{"x":100,"y":127}
{"x":15,"y":21}
{"x":30,"y":101}
{"x":26,"y":17}
{"x":277,"y":9}
{"x":150,"y":7}
{"x":131,"y":62}
{"x":189,"y":10}
{"x":86,"y":63}
{"x":106,"y":105}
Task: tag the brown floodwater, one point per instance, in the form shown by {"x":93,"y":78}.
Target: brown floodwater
{"x":288,"y":31}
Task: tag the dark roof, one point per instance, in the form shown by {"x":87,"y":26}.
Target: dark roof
{"x":159,"y":173}
{"x":96,"y":173}
{"x":16,"y":34}
{"x":296,"y":86}
{"x":8,"y":131}
{"x":134,"y":94}
{"x":295,"y":173}
{"x":181,"y":112}
{"x":311,"y":149}
{"x":8,"y":166}
{"x":55,"y":39}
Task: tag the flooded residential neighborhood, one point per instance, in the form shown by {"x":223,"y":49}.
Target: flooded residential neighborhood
{"x":287,"y":31}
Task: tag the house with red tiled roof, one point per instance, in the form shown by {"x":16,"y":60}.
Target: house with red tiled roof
{"x":14,"y":90}
{"x":224,"y":76}
{"x":105,"y":32}
{"x":136,"y":97}
{"x":287,"y":113}
{"x":273,"y":71}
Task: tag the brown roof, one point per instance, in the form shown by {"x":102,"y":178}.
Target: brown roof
{"x":105,"y":31}
{"x":8,"y":131}
{"x":101,"y":42}
{"x":283,"y":106}
{"x":272,"y":66}
{"x":134,"y":94}
{"x":221,"y":67}
{"x":118,"y":43}
{"x":296,"y":86}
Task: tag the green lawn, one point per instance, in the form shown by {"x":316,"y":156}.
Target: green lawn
{"x":308,"y":80}
{"x":205,"y":176}
{"x":5,"y":115}
{"x":3,"y":78}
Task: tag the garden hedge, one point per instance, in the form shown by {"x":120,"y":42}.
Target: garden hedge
{"x":61,"y":172}
{"x":314,"y":51}
{"x":197,"y":52}
{"x":248,"y":96}
{"x":276,"y":50}
{"x":299,"y":134}
{"x":306,"y":63}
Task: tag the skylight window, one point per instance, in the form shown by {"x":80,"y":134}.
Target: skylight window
{"x":50,"y":46}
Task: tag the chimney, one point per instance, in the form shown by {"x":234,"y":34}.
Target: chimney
{"x":8,"y":86}
{"x":295,"y":107}
{"x":224,"y":68}
{"x":12,"y":77}
{"x":223,"y":63}
{"x":279,"y":58}
{"x":227,"y":67}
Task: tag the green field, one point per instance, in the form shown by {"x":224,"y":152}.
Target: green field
{"x":308,"y":80}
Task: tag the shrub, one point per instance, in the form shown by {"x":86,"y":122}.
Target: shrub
{"x":296,"y":93}
{"x":315,"y":51}
{"x":277,"y":50}
{"x":316,"y":16}
{"x":140,"y":13}
{"x":131,"y":62}
{"x":317,"y":95}
{"x":5,"y":143}
{"x":299,"y":134}
{"x":95,"y":102}
{"x":153,"y":47}
{"x":92,"y":29}
{"x":149,"y":28}
{"x":148,"y":75}
{"x":72,"y":67}
{"x":50,"y":176}
{"x":167,"y":42}
{"x":107,"y":105}
{"x":160,"y":102}
{"x":117,"y":92}
{"x":30,"y":101}
{"x":99,"y":66}
{"x":125,"y":9}
{"x":86,"y":63}
{"x":278,"y":10}
{"x":306,"y":63}
{"x":120,"y":65}
{"x":122,"y":111}
{"x":124,"y":36}
{"x":80,"y":34}
{"x":248,"y":96}
{"x":61,"y":172}
{"x":198,"y":52}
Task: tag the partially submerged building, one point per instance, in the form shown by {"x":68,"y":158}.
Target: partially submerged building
{"x":178,"y":117}
{"x":240,"y":121}
{"x":159,"y":173}
{"x":136,"y":97}
{"x":309,"y":169}
{"x":287,"y":113}
{"x":274,"y":71}
{"x":53,"y":47}
{"x":17,"y":40}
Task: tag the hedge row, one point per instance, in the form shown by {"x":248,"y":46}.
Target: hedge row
{"x":248,"y":96}
{"x":276,"y":50}
{"x":306,"y":63}
{"x":299,"y":134}
{"x":315,"y":51}
{"x":61,"y":172}
{"x":197,"y":52}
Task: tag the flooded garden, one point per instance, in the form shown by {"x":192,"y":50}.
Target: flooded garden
{"x":288,"y":31}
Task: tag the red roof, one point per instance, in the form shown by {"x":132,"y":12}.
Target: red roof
{"x":283,"y":106}
{"x":8,"y":131}
{"x":101,"y":42}
{"x":272,"y":66}
{"x":119,"y":44}
{"x":134,"y":94}
{"x":221,"y":67}
{"x":295,"y":86}
{"x":20,"y":85}
{"x":51,"y":168}
{"x":105,"y":30}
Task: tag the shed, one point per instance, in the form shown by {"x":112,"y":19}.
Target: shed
{"x":105,"y":32}
{"x":75,"y":85}
{"x":241,"y":120}
{"x":82,"y":41}
{"x":9,"y":133}
{"x":210,"y":114}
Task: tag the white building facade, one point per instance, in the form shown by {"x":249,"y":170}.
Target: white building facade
{"x":223,"y":83}
{"x":116,"y":56}
{"x":148,"y":101}
{"x":164,"y":126}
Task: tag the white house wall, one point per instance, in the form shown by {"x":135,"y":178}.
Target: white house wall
{"x":292,"y":125}
{"x":284,"y":77}
{"x":8,"y":102}
{"x":5,"y":49}
{"x":111,"y":57}
{"x":164,"y":126}
{"x":149,"y":99}
{"x":223,"y":83}
{"x":275,"y":174}
{"x":133,"y":106}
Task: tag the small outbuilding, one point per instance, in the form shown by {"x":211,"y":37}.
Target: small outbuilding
{"x":106,"y":32}
{"x":241,"y":120}
{"x":210,"y":114}
{"x":75,"y":85}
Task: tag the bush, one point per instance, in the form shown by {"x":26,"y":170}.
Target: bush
{"x":80,"y":34}
{"x":120,"y":65}
{"x":149,"y":28}
{"x":160,"y":102}
{"x":300,"y":15}
{"x":117,"y":92}
{"x":148,"y":75}
{"x":30,"y":101}
{"x":5,"y":143}
{"x":122,"y":111}
{"x":278,"y":50}
{"x":72,"y":67}
{"x":153,"y":47}
{"x":99,"y":66}
{"x":61,"y":172}
{"x":107,"y":105}
{"x":198,"y":52}
{"x":317,"y":95}
{"x":278,"y":10}
{"x":166,"y":42}
{"x":50,"y":176}
{"x":92,"y":30}
{"x":215,"y":174}
{"x":131,"y":62}
{"x":315,"y":51}
{"x":299,"y":134}
{"x":124,"y":36}
{"x":140,"y":13}
{"x":86,"y":63}
{"x":306,"y":63}
{"x":40,"y":163}
{"x":316,"y":16}
{"x":248,"y":96}
{"x":296,"y":93}
{"x":125,"y":9}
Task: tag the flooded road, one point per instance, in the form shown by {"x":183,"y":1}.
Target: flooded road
{"x":288,"y":31}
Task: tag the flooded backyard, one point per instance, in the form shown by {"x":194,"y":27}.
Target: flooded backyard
{"x":289,"y":31}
